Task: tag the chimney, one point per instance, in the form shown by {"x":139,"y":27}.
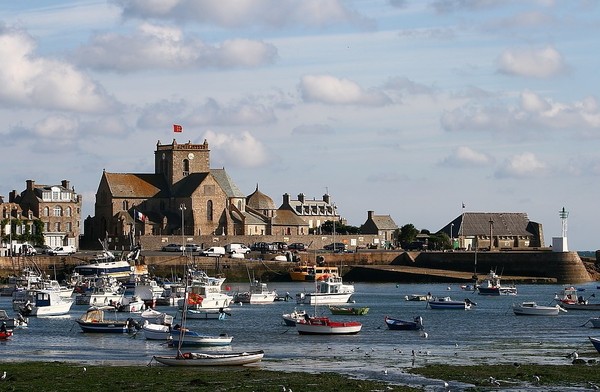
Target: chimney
{"x":301,"y":197}
{"x":370,"y":215}
{"x":326,"y":198}
{"x":30,"y":185}
{"x":286,"y":199}
{"x":65,"y":184}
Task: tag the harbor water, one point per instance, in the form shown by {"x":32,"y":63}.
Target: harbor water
{"x":489,"y":333}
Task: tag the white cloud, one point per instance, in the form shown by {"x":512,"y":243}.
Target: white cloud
{"x":464,"y":156}
{"x":243,"y":13}
{"x":334,"y":91}
{"x":236,"y":150}
{"x":538,"y":63}
{"x":525,"y":165}
{"x":162,"y":47}
{"x":29,"y":80}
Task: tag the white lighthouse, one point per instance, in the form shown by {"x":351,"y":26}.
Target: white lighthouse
{"x":559,"y":244}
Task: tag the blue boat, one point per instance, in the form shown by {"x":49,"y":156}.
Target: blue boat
{"x":401,"y":325}
{"x":596,"y":343}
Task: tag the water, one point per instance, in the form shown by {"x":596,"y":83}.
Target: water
{"x":488,"y":334}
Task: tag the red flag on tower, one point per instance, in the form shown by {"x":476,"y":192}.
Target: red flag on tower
{"x":177,"y":128}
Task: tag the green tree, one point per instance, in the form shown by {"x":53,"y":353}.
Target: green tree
{"x":408,"y":233}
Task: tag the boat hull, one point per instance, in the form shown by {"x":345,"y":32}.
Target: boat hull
{"x":596,"y":343}
{"x":401,"y":325}
{"x":448,"y":304}
{"x":105,"y":327}
{"x":323,"y":298}
{"x":497,"y":291}
{"x":535,"y":310}
{"x":345,"y":311}
{"x":203,"y":359}
{"x":324,"y":326}
{"x":191,"y":338}
{"x":156,"y":332}
{"x":207,"y":314}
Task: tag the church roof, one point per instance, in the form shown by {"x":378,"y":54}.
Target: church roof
{"x":226,"y":183}
{"x":259,"y":201}
{"x":125,"y":185}
{"x":384,"y":222}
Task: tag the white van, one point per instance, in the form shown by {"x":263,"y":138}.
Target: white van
{"x":237,"y":248}
{"x":64,"y":250}
{"x":213,"y":251}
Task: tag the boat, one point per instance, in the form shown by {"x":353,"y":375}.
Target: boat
{"x":343,"y":310}
{"x":258,"y":294}
{"x":106,"y":264}
{"x":13,"y":322}
{"x":569,"y":299}
{"x":397,"y":324}
{"x":192,"y":338}
{"x":99,"y":291}
{"x":95,"y":320}
{"x":208,"y":359}
{"x":325,"y":326}
{"x":6,"y":334}
{"x":596,"y":343}
{"x":530,"y":308}
{"x":47,"y":303}
{"x":310,"y":273}
{"x":157,"y":325}
{"x":449,"y":303}
{"x":492,"y":286}
{"x":290,"y":319}
{"x":133,"y":304}
{"x":418,"y":297}
{"x":204,"y":292}
{"x":207,"y":314}
{"x":330,"y":290}
{"x":595,"y":322}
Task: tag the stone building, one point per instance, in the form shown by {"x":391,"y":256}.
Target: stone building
{"x":183,"y":196}
{"x":312,"y":212}
{"x":494,"y":231}
{"x":381,"y":225}
{"x":57,"y":207}
{"x":270,"y":220}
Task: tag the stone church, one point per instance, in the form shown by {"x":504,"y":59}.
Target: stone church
{"x":183,"y":196}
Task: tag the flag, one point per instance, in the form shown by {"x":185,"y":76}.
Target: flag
{"x":140,"y":216}
{"x":177,"y":128}
{"x":463,"y":205}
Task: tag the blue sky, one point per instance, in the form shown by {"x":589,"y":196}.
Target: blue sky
{"x":406,"y":108}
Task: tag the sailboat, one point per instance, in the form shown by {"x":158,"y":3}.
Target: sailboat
{"x":200,"y":358}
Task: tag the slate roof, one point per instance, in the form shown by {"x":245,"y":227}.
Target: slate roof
{"x":226,"y":183}
{"x":478,"y":223}
{"x":188,"y":185}
{"x":288,"y":218}
{"x":128,"y":185}
{"x":384,"y":222}
{"x":259,"y":201}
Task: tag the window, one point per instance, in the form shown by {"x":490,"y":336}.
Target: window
{"x":55,"y":195}
{"x":57,"y":211}
{"x":57,"y":227}
{"x":68,"y":211}
{"x":46,"y":226}
{"x":186,"y":167}
{"x":68,"y":226}
{"x":209,"y":210}
{"x":125,"y":205}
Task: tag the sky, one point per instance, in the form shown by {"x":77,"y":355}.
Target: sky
{"x":406,"y":108}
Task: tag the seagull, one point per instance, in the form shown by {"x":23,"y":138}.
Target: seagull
{"x":456,"y":345}
{"x":84,"y":369}
{"x":385,"y":371}
{"x":446,"y":385}
{"x":536,"y":378}
{"x":425,"y":335}
{"x":3,"y":376}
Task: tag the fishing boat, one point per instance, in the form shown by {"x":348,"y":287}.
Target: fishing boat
{"x":290,"y":319}
{"x":344,"y":310}
{"x":596,"y":343}
{"x":106,"y":264}
{"x":208,"y":359}
{"x":325,"y":326}
{"x":531,"y":308}
{"x":492,"y":286}
{"x":570,"y":299}
{"x":310,"y":273}
{"x":204,"y":292}
{"x":258,"y":294}
{"x":95,"y":320}
{"x":47,"y":303}
{"x":13,"y":322}
{"x":401,"y":325}
{"x":449,"y":303}
{"x":330,"y":290}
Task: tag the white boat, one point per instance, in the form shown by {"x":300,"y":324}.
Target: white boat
{"x":325,"y":326}
{"x":204,"y":292}
{"x":13,"y":322}
{"x":449,"y":303}
{"x":207,"y":314}
{"x":131,"y":304}
{"x":105,"y":264}
{"x":157,"y":325}
{"x":492,"y":286}
{"x":47,"y":303}
{"x":330,"y":290}
{"x":531,"y":308}
{"x":258,"y":294}
{"x":417,"y":297}
{"x":192,"y":338}
{"x":570,"y":299}
{"x":101,"y":291}
{"x":290,"y":319}
{"x":207,"y":359}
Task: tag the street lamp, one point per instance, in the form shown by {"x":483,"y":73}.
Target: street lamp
{"x":491,"y":233}
{"x":451,"y":238}
{"x":182,"y":208}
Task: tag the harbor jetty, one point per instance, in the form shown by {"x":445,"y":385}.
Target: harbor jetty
{"x":361,"y":266}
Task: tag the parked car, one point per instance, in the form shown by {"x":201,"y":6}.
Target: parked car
{"x":213,"y":251}
{"x":172,"y":248}
{"x":415,"y":245}
{"x":64,"y":250}
{"x":42,"y":249}
{"x":237,"y":248}
{"x":192,"y":247}
{"x":263,"y":247}
{"x":336,"y":247}
{"x":280,"y":245}
{"x":297,"y":246}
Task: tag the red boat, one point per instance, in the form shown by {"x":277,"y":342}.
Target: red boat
{"x":324,"y":326}
{"x":5,"y":334}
